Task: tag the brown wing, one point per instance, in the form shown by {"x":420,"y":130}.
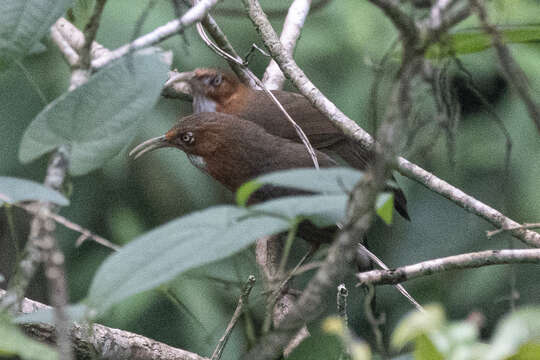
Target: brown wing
{"x":262,"y":110}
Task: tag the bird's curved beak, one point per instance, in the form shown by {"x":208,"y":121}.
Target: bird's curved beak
{"x":150,"y":145}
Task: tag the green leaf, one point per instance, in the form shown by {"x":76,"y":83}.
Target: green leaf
{"x":245,"y":191}
{"x":516,"y":329}
{"x":98,"y":118}
{"x":385,"y":207}
{"x":75,"y":312}
{"x":476,"y":40}
{"x":322,"y":210}
{"x":13,"y":190}
{"x":424,"y":349}
{"x":528,"y":351}
{"x":416,"y":324}
{"x":336,"y":180}
{"x":24,"y":22}
{"x":180,"y":245}
{"x":14,"y":342}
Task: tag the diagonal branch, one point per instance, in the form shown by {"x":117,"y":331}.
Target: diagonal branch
{"x":273,"y":78}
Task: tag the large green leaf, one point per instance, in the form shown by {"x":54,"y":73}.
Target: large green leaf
{"x":24,"y":22}
{"x":98,"y":118}
{"x":182,"y":244}
{"x":13,"y":190}
{"x":14,"y":342}
{"x":515,"y":330}
{"x":197,"y":239}
{"x":476,"y":40}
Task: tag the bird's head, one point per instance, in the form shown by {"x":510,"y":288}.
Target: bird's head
{"x":212,"y":89}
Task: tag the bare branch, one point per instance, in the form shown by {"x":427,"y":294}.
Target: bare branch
{"x":237,"y":313}
{"x":513,"y":73}
{"x":463,"y":261}
{"x":193,"y":15}
{"x":492,"y":233}
{"x":104,"y":342}
{"x":273,"y":78}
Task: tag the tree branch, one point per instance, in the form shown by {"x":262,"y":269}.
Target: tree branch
{"x":193,"y":15}
{"x":104,"y":342}
{"x":463,"y":261}
{"x":273,"y":78}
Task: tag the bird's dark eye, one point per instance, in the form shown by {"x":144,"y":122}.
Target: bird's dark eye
{"x":216,"y":80}
{"x":187,"y":138}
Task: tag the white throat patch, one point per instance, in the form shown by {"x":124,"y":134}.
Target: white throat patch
{"x":198,"y":162}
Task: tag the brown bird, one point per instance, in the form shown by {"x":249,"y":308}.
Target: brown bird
{"x":215,"y":90}
{"x":233,"y":151}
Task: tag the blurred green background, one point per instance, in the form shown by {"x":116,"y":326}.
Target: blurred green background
{"x":337,"y":50}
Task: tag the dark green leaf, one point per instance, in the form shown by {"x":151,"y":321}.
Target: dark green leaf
{"x":163,"y":253}
{"x":24,"y":22}
{"x":471,"y":41}
{"x":98,"y":118}
{"x":13,"y":190}
{"x":14,"y":342}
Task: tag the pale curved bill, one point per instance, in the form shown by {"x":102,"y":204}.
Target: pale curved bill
{"x":149,"y":145}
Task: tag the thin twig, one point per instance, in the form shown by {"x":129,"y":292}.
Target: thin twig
{"x":492,"y":233}
{"x":90,"y":32}
{"x":192,"y":16}
{"x":399,"y":287}
{"x":463,"y":261}
{"x":85,"y":233}
{"x":237,"y":313}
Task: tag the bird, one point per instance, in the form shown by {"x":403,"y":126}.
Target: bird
{"x":216,"y":90}
{"x":233,"y":151}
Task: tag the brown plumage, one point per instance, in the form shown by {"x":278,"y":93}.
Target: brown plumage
{"x":233,"y":151}
{"x":215,"y":90}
